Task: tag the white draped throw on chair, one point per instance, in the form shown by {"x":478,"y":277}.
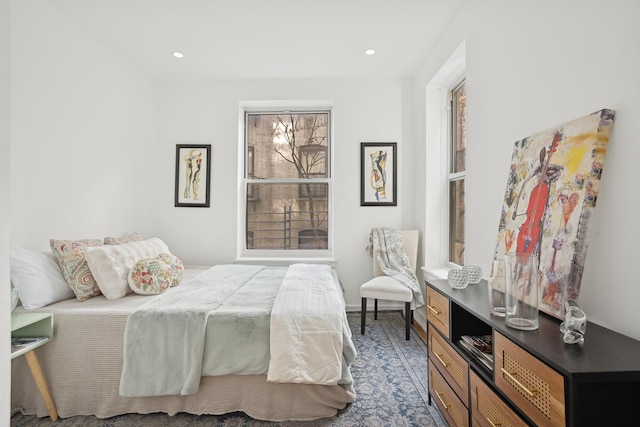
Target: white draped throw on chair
{"x":394,"y":263}
{"x":389,"y":250}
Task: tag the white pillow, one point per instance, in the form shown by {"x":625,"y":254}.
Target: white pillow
{"x":110,"y":264}
{"x":38,"y":278}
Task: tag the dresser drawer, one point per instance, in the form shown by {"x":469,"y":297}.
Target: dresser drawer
{"x":450,"y":364}
{"x":488,"y":409}
{"x":534,"y":387}
{"x":438,"y":311}
{"x":452,"y":408}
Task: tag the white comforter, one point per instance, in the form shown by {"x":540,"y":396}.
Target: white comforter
{"x":307,"y":327}
{"x":177,"y":337}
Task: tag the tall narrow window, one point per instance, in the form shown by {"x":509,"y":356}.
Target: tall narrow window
{"x":287,"y":165}
{"x":457,"y":174}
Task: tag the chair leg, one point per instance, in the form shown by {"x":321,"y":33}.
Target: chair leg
{"x":408,"y":315}
{"x":363,"y":315}
{"x":375,"y":309}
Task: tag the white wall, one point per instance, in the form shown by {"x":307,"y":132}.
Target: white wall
{"x":105,"y":138}
{"x":82,"y":128}
{"x":363,"y":110}
{"x":5,"y":168}
{"x":82,"y":134}
{"x":531,"y":67}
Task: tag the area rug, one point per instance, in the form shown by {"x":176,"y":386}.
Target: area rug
{"x":390,"y":377}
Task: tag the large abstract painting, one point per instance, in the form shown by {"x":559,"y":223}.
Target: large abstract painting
{"x":552,"y":189}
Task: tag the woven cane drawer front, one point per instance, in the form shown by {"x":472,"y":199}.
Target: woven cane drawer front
{"x":438,"y":311}
{"x":451,"y":407}
{"x":488,"y":409}
{"x":450,"y":364}
{"x":533,"y":386}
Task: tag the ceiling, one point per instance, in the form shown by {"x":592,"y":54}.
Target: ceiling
{"x":257,"y":39}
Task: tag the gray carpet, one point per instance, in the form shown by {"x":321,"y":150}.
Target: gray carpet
{"x":390,"y":377}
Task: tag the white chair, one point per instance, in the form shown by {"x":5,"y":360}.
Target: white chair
{"x":388,"y":288}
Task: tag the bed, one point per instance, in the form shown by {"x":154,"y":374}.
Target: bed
{"x":83,"y":365}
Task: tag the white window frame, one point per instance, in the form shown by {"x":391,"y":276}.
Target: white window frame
{"x":453,"y":176}
{"x":275,"y":256}
{"x":437,"y":161}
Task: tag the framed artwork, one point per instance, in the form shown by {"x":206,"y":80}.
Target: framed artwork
{"x":193,"y":173}
{"x":552,"y":189}
{"x":378,"y":174}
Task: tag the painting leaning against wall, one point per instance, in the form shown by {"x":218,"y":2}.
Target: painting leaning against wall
{"x":552,"y":189}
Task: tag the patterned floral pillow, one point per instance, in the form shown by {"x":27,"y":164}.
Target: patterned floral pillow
{"x":176,"y":265}
{"x":74,"y":267}
{"x":150,"y":276}
{"x":127,"y":238}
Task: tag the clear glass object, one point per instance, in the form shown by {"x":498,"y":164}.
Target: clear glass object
{"x":496,"y":288}
{"x":458,"y":278}
{"x":575,"y":323}
{"x":474,"y":273}
{"x":521,"y":296}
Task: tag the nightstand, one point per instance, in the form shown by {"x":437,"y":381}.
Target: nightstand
{"x":26,"y":325}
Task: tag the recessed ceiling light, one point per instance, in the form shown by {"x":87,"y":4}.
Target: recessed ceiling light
{"x":178,"y":54}
{"x":370,"y":51}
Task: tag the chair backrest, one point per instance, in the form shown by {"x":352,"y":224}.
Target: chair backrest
{"x":410,"y":239}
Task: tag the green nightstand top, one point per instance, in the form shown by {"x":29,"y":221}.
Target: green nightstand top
{"x":25,"y":325}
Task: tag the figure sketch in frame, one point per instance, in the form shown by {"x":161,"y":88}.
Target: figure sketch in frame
{"x":379,"y":174}
{"x":193,"y":162}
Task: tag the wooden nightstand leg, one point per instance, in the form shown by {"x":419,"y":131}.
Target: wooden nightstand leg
{"x":36,"y":371}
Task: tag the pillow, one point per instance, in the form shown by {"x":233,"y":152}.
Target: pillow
{"x":38,"y":278}
{"x":111,"y":264}
{"x":70,"y":257}
{"x":176,"y":265}
{"x":127,"y":238}
{"x":150,"y":276}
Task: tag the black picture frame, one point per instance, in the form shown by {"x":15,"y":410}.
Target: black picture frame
{"x":378,"y":174}
{"x":193,"y":175}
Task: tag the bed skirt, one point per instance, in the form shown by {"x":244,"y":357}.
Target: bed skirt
{"x":82,"y":365}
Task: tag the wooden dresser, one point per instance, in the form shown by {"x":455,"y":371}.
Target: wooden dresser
{"x":536,"y":378}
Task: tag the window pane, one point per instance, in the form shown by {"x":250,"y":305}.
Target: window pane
{"x":459,"y":127}
{"x":281,"y":219}
{"x":288,"y":145}
{"x":456,"y":225}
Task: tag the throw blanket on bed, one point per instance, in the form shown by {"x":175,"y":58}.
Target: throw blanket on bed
{"x":217,"y":323}
{"x":307,"y":326}
{"x":165,"y":338}
{"x":388,"y":248}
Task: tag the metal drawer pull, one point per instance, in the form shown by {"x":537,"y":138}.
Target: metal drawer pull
{"x":446,"y":407}
{"x":433,"y":310}
{"x":492,"y":423}
{"x":531,"y":393}
{"x":439,"y":357}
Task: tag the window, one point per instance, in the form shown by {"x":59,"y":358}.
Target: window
{"x":457,"y":174}
{"x":287,"y":180}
